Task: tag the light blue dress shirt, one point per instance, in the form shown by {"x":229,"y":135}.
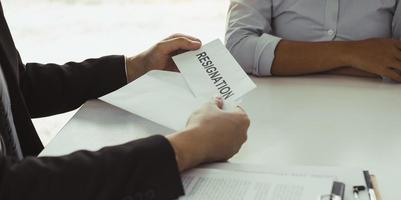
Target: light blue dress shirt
{"x":255,"y":27}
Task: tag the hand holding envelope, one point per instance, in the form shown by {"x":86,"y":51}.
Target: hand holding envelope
{"x":184,"y":92}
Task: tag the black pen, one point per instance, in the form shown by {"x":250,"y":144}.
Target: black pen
{"x":369,"y":185}
{"x":357,"y":189}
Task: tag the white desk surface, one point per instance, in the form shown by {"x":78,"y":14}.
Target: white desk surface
{"x":312,"y":120}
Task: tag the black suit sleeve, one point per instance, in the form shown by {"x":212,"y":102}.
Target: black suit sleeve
{"x":51,"y":89}
{"x":143,"y":169}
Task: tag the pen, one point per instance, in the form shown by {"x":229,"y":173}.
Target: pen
{"x":357,"y":189}
{"x":369,"y":185}
{"x":337,"y":191}
{"x":376,"y":187}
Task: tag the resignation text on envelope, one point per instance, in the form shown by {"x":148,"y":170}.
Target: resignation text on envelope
{"x":213,"y":71}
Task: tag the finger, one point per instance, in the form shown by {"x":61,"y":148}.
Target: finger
{"x":244,"y":115}
{"x":176,"y":44}
{"x":393,"y":75}
{"x":398,"y":45}
{"x":398,"y":56}
{"x":397,"y":70}
{"x":219,"y":102}
{"x":234,"y":108}
{"x":177,"y":35}
{"x":239,"y":112}
{"x":214,"y":104}
{"x":396,"y":65}
{"x":172,"y":46}
{"x":398,"y":50}
{"x":178,"y":52}
{"x":240,"y":108}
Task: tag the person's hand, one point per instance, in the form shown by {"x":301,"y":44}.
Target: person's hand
{"x":211,"y":135}
{"x":159,"y":56}
{"x":377,"y":56}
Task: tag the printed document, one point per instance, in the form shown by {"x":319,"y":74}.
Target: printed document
{"x":213,"y":71}
{"x":228,"y":185}
{"x":349,"y":175}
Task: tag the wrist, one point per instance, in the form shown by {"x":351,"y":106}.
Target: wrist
{"x":135,"y":67}
{"x":347,"y":53}
{"x":181,"y":163}
{"x":186,"y":152}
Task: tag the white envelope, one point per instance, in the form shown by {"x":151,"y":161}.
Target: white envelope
{"x":169,"y":98}
{"x":162,"y":97}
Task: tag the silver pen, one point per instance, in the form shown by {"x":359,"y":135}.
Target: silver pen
{"x":337,"y":192}
{"x":368,"y":179}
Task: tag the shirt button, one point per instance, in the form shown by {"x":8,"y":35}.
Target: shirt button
{"x":330,"y":32}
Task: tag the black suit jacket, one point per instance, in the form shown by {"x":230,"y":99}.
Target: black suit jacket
{"x":143,"y":169}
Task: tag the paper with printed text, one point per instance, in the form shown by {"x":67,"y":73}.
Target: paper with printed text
{"x":228,"y":185}
{"x":213,"y":71}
